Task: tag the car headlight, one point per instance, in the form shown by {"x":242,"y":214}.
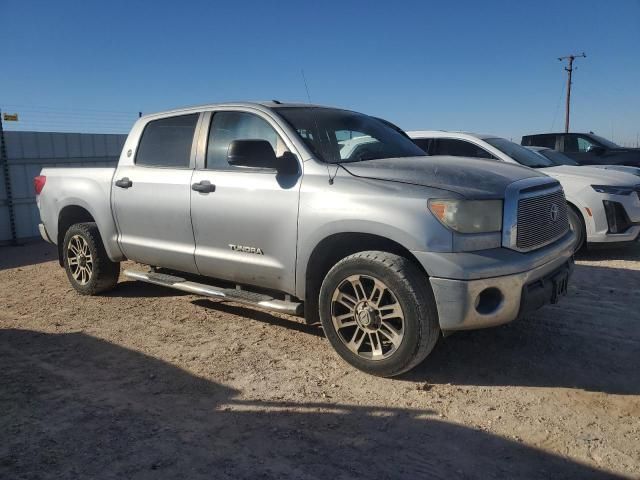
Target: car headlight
{"x":613,"y":190}
{"x":468,"y":216}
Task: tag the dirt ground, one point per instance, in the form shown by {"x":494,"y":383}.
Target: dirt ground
{"x":146,"y":382}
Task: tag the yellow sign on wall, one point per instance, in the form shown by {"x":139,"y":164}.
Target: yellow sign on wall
{"x":10,"y":117}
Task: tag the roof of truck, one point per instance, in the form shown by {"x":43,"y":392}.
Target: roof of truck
{"x":265,"y":104}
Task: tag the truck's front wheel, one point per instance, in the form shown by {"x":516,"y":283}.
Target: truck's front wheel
{"x":88,"y":267}
{"x":378,"y":312}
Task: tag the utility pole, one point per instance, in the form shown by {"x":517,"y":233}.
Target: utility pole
{"x":569,"y":69}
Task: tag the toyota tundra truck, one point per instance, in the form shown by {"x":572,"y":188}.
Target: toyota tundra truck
{"x":276,"y":206}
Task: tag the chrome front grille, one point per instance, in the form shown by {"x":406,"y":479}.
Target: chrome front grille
{"x":541,"y":219}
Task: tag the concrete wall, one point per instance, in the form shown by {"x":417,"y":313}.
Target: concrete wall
{"x":29,"y":152}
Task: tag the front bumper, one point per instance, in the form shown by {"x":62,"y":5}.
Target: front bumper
{"x":598,"y":227}
{"x":473,"y":304}
{"x":485,"y":288}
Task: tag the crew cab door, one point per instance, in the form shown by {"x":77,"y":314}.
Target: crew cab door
{"x":151,"y":195}
{"x":244,"y":219}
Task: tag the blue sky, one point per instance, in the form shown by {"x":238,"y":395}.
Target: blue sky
{"x":486,"y":66}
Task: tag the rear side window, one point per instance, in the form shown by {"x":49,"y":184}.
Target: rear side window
{"x":460,"y":148}
{"x":167,"y":142}
{"x":548,"y":141}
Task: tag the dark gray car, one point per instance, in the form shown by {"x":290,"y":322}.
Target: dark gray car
{"x":585,"y":148}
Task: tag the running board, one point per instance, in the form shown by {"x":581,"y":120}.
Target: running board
{"x":228,"y":294}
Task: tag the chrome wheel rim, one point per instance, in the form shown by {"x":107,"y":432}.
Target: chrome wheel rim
{"x":79,"y":259}
{"x":367,"y":317}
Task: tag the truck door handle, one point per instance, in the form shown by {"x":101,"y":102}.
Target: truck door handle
{"x":124,"y":183}
{"x":205,"y":186}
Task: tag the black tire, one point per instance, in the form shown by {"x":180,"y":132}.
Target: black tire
{"x":577,"y":225}
{"x":104,"y":273}
{"x":409,"y":287}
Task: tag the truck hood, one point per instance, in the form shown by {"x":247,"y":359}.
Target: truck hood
{"x":591,"y":175}
{"x":469,"y":177}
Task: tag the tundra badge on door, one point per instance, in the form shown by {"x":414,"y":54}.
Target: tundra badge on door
{"x":242,"y":248}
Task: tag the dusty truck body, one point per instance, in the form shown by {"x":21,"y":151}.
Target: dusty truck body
{"x":386,"y":247}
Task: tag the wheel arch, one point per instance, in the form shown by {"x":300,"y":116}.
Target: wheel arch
{"x":334,"y":248}
{"x":585,"y":221}
{"x":68,"y":216}
{"x":580,"y":213}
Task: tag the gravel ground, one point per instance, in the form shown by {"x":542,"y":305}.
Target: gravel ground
{"x":145,"y":382}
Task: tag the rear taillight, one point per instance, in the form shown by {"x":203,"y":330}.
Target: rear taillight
{"x":38,"y":183}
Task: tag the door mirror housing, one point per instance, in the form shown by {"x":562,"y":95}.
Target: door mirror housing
{"x":251,"y":153}
{"x":287,"y":164}
{"x":595,"y":149}
{"x":260,"y":154}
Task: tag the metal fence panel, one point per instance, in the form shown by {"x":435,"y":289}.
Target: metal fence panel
{"x":30,"y":152}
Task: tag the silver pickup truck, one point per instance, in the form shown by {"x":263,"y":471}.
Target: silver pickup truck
{"x":275,"y":205}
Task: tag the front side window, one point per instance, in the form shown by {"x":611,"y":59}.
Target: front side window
{"x":460,"y":148}
{"x":229,"y":126}
{"x":167,"y":142}
{"x":340,"y":136}
{"x":584,"y":144}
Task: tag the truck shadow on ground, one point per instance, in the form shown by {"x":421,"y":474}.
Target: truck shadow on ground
{"x":260,"y":316}
{"x":136,"y":289}
{"x":77,"y":406}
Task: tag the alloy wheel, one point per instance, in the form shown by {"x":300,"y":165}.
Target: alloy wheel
{"x":79,"y":259}
{"x":367,"y":317}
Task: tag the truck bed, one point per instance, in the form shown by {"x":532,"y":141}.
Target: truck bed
{"x":87,"y":189}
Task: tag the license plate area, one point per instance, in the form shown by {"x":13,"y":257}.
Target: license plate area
{"x":560,"y":285}
{"x":546,"y":290}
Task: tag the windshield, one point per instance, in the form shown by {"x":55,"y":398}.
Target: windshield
{"x":558,"y":158}
{"x":604,"y":142}
{"x":519,"y":153}
{"x":339,"y":136}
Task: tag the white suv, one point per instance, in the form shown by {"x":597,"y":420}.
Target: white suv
{"x":605,"y":204}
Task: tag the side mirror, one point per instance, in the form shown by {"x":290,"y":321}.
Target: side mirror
{"x":251,"y":153}
{"x":260,"y":154}
{"x":595,"y":149}
{"x":287,"y":164}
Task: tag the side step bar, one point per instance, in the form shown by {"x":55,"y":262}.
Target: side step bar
{"x":229,"y":294}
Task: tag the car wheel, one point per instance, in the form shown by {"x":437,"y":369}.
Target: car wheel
{"x":86,"y":262}
{"x":577,"y":226}
{"x":378,"y":312}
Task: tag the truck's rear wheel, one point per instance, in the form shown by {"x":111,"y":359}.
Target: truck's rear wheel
{"x":378,"y":312}
{"x":88,"y":267}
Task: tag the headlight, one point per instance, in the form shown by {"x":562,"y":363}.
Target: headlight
{"x":612,"y":190}
{"x":469,"y":216}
